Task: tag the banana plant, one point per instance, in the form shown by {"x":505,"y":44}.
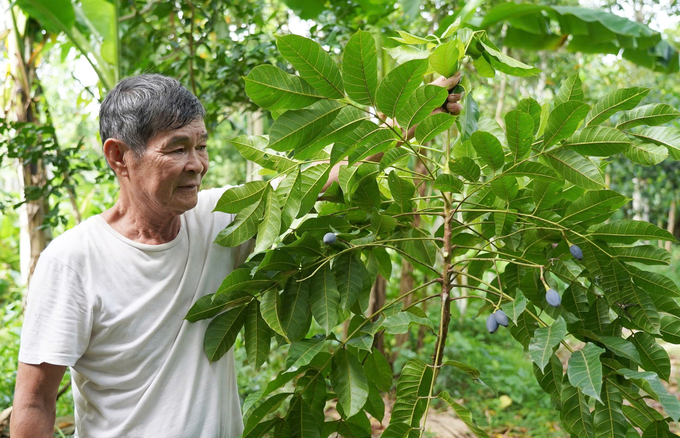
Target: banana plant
{"x":96,"y":18}
{"x":516,"y":217}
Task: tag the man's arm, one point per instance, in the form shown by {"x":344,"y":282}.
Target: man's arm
{"x":35,"y":398}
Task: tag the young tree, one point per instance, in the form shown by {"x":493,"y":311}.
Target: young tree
{"x":521,"y":214}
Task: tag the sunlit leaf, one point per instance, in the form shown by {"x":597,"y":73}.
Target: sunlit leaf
{"x":360,"y":68}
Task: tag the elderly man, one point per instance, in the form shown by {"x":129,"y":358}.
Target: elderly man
{"x":108,"y":297}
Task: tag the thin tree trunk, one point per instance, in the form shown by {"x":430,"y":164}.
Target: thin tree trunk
{"x":33,"y":238}
{"x":671,"y":222}
{"x":378,"y":300}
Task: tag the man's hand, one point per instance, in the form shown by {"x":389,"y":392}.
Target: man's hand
{"x":451,"y":105}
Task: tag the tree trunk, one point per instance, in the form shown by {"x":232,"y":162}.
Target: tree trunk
{"x":378,"y":300}
{"x":405,"y":285}
{"x":33,"y":237}
{"x":671,"y":222}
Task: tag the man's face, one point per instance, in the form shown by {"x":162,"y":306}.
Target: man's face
{"x":168,"y":175}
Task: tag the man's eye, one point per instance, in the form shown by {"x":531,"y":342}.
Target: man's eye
{"x":202,"y":147}
{"x":178,"y":151}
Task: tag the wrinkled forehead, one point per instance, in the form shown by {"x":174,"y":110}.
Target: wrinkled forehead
{"x":194,"y":132}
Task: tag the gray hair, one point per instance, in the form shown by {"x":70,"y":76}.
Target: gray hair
{"x":139,"y":107}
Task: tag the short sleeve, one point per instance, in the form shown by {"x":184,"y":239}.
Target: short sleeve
{"x":58,"y":317}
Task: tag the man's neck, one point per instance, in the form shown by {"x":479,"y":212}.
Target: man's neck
{"x":142,"y":225}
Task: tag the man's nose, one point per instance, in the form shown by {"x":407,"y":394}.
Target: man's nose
{"x":194,"y":162}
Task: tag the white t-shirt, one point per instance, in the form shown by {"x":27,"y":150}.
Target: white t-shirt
{"x":113,"y":310}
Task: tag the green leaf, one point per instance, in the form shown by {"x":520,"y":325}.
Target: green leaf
{"x":464,"y":414}
{"x":325,"y":298}
{"x":608,"y":418}
{"x":400,"y":322}
{"x":670,"y":329}
{"x":210,"y":305}
{"x":252,"y":148}
{"x":349,"y":381}
{"x":414,"y":383}
{"x":237,"y":198}
{"x":666,"y":136}
{"x":296,"y":128}
{"x":650,"y":115}
{"x":444,"y":58}
{"x":575,"y":413}
{"x":311,"y":184}
{"x":241,"y":280}
{"x":448,"y":183}
{"x":257,"y":336}
{"x":468,"y":119}
{"x":563,"y":121}
{"x":534,"y":170}
{"x":313,"y":64}
{"x":551,"y":379}
{"x":646,"y":254}
{"x":519,"y":127}
{"x":222,"y":331}
{"x":242,"y":228}
{"x":398,"y":430}
{"x":360,"y":68}
{"x":506,"y":64}
{"x":585,"y":370}
{"x":295,"y":315}
{"x":488,"y":149}
{"x":301,"y":353}
{"x":350,"y":274}
{"x":629,"y":231}
{"x":647,"y":154}
{"x":375,"y":142}
{"x":267,"y":407}
{"x":272,"y":88}
{"x":259,"y":430}
{"x":544,"y":340}
{"x":54,"y":15}
{"x":421,"y":103}
{"x":598,"y":141}
{"x":465,"y":167}
{"x":657,"y":430}
{"x":619,"y":100}
{"x":653,"y":356}
{"x":654,"y":283}
{"x":378,"y":370}
{"x":432,"y":126}
{"x":505,"y":187}
{"x":571,"y":89}
{"x":531,"y":107}
{"x":396,"y":88}
{"x":620,"y":347}
{"x":593,"y":205}
{"x":268,"y":230}
{"x":576,"y":169}
{"x":402,"y":189}
{"x":523,"y":330}
{"x":347,"y":120}
{"x":515,"y":308}
{"x":290,"y":197}
{"x":669,"y":402}
{"x":270,"y":308}
{"x":302,"y":421}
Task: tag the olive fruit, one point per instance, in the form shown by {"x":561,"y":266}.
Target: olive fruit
{"x":553,"y":298}
{"x":491,"y":324}
{"x":576,"y":251}
{"x":330,"y":238}
{"x":501,"y":318}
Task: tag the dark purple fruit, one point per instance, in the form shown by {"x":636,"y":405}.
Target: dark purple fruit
{"x":553,"y":298}
{"x":330,"y":238}
{"x":491,"y":324}
{"x":576,"y":252}
{"x":501,"y":318}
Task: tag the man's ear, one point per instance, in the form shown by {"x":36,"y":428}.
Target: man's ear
{"x":118,"y":155}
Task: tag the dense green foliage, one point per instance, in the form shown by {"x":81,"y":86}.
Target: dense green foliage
{"x":500,"y":208}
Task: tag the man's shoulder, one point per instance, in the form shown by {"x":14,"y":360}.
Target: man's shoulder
{"x":72,"y":242}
